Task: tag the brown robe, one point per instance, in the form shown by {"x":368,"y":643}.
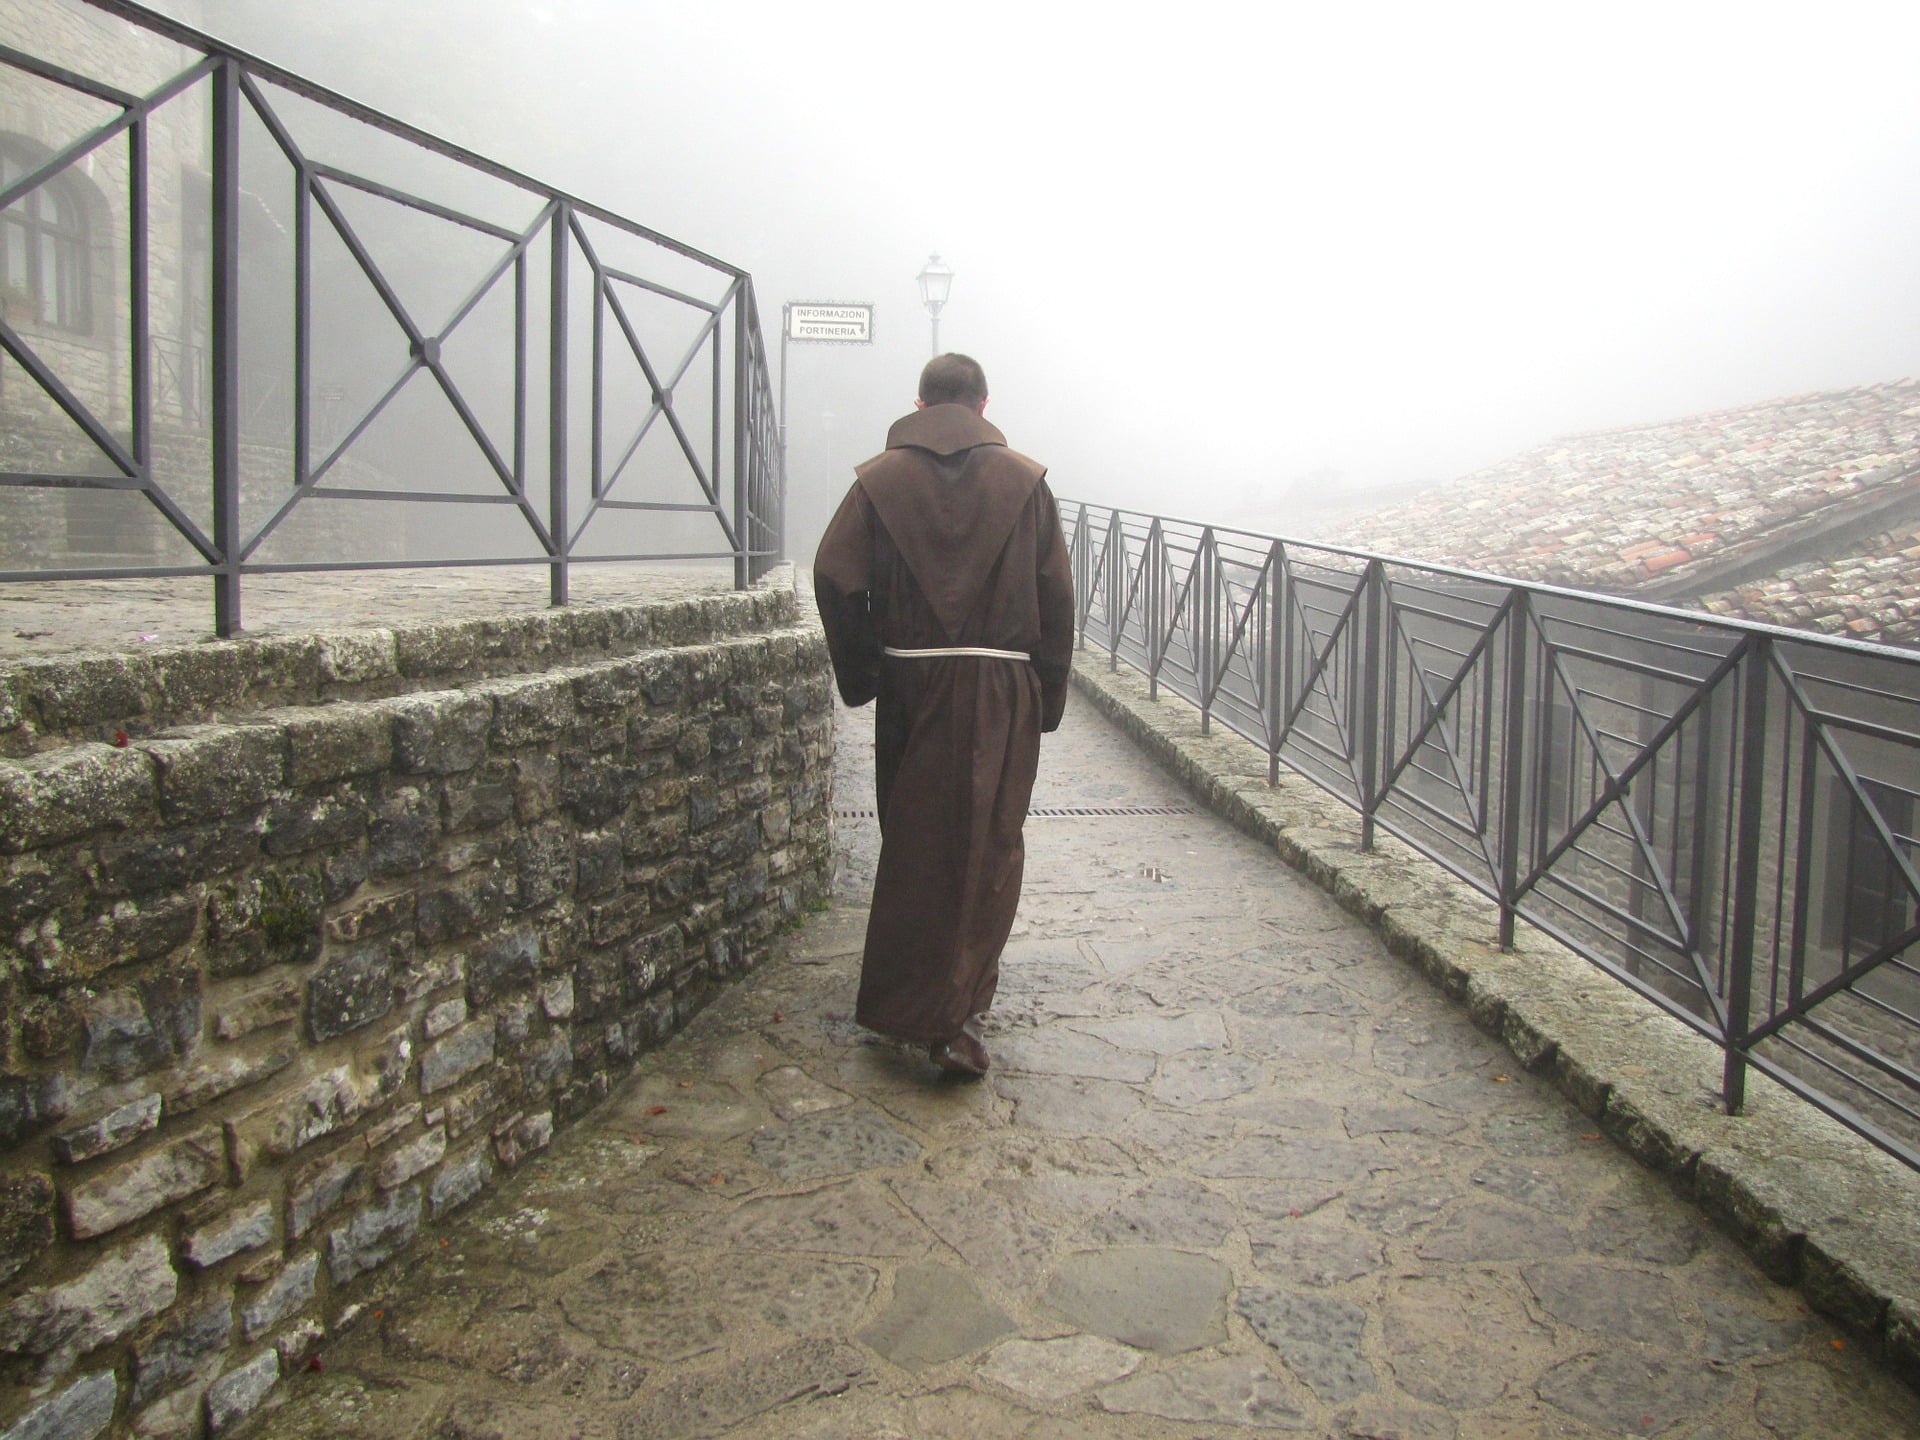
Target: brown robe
{"x":948,"y":538}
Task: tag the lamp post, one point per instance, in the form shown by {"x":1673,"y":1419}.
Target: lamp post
{"x":936,"y":283}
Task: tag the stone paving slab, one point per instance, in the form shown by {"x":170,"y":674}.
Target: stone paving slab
{"x":1238,"y":1171}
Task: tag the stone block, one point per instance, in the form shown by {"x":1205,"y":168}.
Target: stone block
{"x":469,"y":1107}
{"x":144,"y":862}
{"x":556,"y":997}
{"x":443,"y":733}
{"x":177,"y":1349}
{"x":472,"y":903}
{"x":237,"y":1016}
{"x":543,"y":865}
{"x":290,"y":1121}
{"x":387,"y":1065}
{"x":610,"y":686}
{"x":522,"y":1136}
{"x":315,"y":820}
{"x":223,"y":1075}
{"x":351,"y":990}
{"x":26,"y":1221}
{"x":57,"y":1324}
{"x":598,"y":860}
{"x":482,"y":805}
{"x":514,"y":1019}
{"x":130,"y":1191}
{"x":404,"y":833}
{"x":597,"y":790}
{"x":29,"y":1101}
{"x":354,"y":657}
{"x":444,"y":1017}
{"x":420,"y":972}
{"x":33,"y":884}
{"x":269,"y":919}
{"x":459,"y":1182}
{"x":80,"y":1412}
{"x":402,"y":1119}
{"x":547,"y":1062}
{"x":457,"y":1056}
{"x":298,"y":1341}
{"x":530,"y":710}
{"x":64,"y":794}
{"x":336,"y":742}
{"x":536,"y":786}
{"x":414,"y":1158}
{"x":315,"y":1190}
{"x":130,"y":933}
{"x":374,"y":1236}
{"x":240,"y":1392}
{"x":292,"y":1288}
{"x":120,"y":1126}
{"x":207,"y":771}
{"x":140,"y":1028}
{"x":221,"y":1238}
{"x":424,"y":651}
{"x":373,"y":917}
{"x":617,"y":918}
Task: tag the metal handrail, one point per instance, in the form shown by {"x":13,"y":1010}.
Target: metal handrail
{"x":724,"y":437}
{"x":1720,"y":815}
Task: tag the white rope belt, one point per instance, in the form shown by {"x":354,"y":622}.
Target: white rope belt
{"x":958,"y":650}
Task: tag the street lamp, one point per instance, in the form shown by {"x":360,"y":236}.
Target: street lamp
{"x":936,"y":283}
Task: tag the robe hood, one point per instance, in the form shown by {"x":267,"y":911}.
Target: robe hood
{"x":944,"y":430}
{"x":949,"y":492}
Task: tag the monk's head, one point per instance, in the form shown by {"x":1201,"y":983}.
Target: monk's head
{"x":953,"y":380}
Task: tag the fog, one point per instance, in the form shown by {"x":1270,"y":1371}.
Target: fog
{"x":1235,"y":260}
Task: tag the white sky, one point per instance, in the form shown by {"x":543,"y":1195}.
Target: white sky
{"x":1212,"y":250}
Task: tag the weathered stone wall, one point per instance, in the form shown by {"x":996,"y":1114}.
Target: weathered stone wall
{"x":335,"y":936}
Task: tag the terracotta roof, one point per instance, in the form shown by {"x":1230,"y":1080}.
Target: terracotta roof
{"x":1803,"y":511}
{"x":1873,"y":593}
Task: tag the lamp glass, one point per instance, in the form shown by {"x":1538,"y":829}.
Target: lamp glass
{"x":936,"y":283}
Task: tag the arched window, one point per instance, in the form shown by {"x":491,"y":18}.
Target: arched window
{"x":45,"y":261}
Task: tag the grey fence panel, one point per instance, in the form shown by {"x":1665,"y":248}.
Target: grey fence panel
{"x":1721,"y":816}
{"x":267,"y":329}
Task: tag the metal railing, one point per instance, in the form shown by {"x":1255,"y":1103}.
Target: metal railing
{"x":611,"y":414}
{"x":1720,"y":815}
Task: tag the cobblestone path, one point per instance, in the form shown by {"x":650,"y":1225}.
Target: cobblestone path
{"x":1236,"y":1170}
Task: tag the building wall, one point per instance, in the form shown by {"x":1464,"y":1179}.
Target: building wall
{"x":325,"y":936}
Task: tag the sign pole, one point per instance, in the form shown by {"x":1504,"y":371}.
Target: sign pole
{"x":786,"y":325}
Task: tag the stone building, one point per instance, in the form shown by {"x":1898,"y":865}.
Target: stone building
{"x":70,"y":249}
{"x":1803,"y":512}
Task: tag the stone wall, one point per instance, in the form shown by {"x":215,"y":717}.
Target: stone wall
{"x":305,"y":942}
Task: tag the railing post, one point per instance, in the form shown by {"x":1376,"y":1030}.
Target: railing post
{"x":1371,"y":649}
{"x":1746,"y":868}
{"x":1116,"y":587}
{"x":1206,"y":562}
{"x":224,"y":333}
{"x":1274,"y":621}
{"x":1513,"y":764}
{"x":742,"y":383}
{"x":1082,"y":575}
{"x":557,"y":407}
{"x":1152,"y":584}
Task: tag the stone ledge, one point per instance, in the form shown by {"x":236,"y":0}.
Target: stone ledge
{"x":1817,"y":1206}
{"x":47,"y":701}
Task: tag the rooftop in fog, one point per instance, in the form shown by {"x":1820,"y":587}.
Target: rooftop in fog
{"x":1802,"y":511}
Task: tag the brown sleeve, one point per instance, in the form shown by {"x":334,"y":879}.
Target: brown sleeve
{"x":842,"y":588}
{"x":1054,"y":659}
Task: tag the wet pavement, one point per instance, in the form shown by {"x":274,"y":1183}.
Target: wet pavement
{"x":1236,"y":1170}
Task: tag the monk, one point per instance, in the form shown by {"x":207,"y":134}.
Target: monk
{"x":946,"y":594}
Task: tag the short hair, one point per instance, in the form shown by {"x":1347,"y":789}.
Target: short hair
{"x":952,"y":379}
